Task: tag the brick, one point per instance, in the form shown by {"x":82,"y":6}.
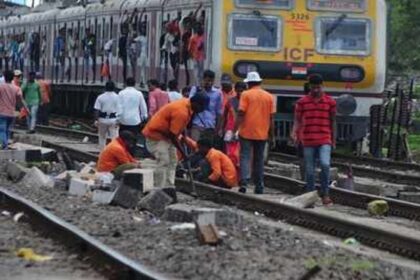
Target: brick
{"x":183,"y":213}
{"x":155,"y":202}
{"x":139,"y":178}
{"x":80,"y":187}
{"x":15,"y":172}
{"x":208,"y":234}
{"x":413,"y":197}
{"x":36,"y":178}
{"x":103,"y":197}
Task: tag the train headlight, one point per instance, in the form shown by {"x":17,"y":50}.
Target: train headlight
{"x":242,"y":68}
{"x":352,"y":74}
{"x":346,"y":104}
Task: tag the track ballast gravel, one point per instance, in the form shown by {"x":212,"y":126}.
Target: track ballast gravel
{"x":250,"y":250}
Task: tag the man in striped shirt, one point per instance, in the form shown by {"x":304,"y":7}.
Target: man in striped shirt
{"x":315,"y":128}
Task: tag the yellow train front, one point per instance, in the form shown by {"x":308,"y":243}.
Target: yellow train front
{"x":287,"y":40}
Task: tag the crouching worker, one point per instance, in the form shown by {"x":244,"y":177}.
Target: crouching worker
{"x":117,"y":156}
{"x":216,"y":168}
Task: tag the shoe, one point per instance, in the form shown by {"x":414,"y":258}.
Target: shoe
{"x":258,"y":191}
{"x":326,"y":201}
{"x":242,"y":190}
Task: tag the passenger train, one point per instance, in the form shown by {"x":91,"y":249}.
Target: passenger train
{"x":284,"y":40}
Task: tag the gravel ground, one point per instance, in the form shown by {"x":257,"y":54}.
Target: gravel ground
{"x":251,"y":250}
{"x":63,"y":265}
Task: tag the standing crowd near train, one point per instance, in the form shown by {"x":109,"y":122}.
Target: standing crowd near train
{"x":220,"y":133}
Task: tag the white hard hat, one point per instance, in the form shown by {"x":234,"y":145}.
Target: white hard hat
{"x":17,"y":72}
{"x":253,"y":77}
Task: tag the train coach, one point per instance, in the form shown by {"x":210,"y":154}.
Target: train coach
{"x":285,"y":40}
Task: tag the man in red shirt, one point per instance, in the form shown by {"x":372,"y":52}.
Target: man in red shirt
{"x":315,"y":128}
{"x":157,"y":97}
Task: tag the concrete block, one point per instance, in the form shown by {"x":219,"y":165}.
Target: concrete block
{"x":61,"y":185}
{"x":171,"y":191}
{"x":155,"y":202}
{"x":28,"y":139}
{"x":305,"y":200}
{"x":80,"y":187}
{"x":158,"y":173}
{"x":413,"y":197}
{"x":363,"y":185}
{"x":103,"y":197}
{"x":12,"y":155}
{"x":126,"y":196}
{"x":47,"y":154}
{"x":36,"y":178}
{"x":183,"y":213}
{"x":139,"y":178}
{"x":15,"y":172}
{"x":293,"y":170}
{"x":87,"y":169}
{"x":204,"y":216}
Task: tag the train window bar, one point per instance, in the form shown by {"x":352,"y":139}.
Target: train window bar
{"x":255,"y":32}
{"x":343,"y":36}
{"x":264,"y":4}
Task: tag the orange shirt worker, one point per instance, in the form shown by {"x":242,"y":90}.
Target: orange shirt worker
{"x":163,"y":130}
{"x":117,"y":152}
{"x":255,"y":122}
{"x":222,"y":169}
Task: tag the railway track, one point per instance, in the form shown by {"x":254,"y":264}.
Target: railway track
{"x":386,"y":173}
{"x":109,"y":262}
{"x":395,"y":241}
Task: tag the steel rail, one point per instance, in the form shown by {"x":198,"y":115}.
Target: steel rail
{"x":392,"y":241}
{"x":362,"y":171}
{"x":108,"y":261}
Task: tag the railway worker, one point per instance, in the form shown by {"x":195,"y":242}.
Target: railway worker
{"x":217,"y":168}
{"x":133,"y":108}
{"x":227,"y":88}
{"x":163,"y":130}
{"x":255,"y":122}
{"x":107,"y":111}
{"x":230,"y":113}
{"x":32,"y":95}
{"x":173,"y":91}
{"x":315,"y":120}
{"x":209,"y":119}
{"x":46,"y":94}
{"x":118,"y":153}
{"x":157,"y":97}
{"x":10,"y":96}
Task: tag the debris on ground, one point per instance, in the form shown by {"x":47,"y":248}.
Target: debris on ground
{"x":378,"y":207}
{"x":305,"y":200}
{"x":29,"y":255}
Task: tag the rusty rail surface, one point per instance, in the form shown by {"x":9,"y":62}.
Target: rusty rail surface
{"x":362,"y":171}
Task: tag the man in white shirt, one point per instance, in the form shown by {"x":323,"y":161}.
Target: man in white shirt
{"x":173,"y":92}
{"x":107,"y":111}
{"x":134,"y":109}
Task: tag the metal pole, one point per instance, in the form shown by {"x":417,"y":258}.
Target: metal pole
{"x":400,"y":115}
{"x":394,"y":112}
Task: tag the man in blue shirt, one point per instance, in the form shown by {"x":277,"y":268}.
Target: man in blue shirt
{"x":209,"y":119}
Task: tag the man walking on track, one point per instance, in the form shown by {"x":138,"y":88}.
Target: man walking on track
{"x":255,"y":122}
{"x":108,"y":109}
{"x":163,"y":130}
{"x":316,"y":125}
{"x":134,"y":109}
{"x":10,"y":96}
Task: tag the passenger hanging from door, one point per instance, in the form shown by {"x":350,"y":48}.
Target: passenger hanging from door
{"x":59,"y":54}
{"x":89,"y":48}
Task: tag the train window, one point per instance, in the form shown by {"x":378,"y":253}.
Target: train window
{"x":265,"y":4}
{"x":337,"y":5}
{"x":254,"y":33}
{"x":343,"y":36}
